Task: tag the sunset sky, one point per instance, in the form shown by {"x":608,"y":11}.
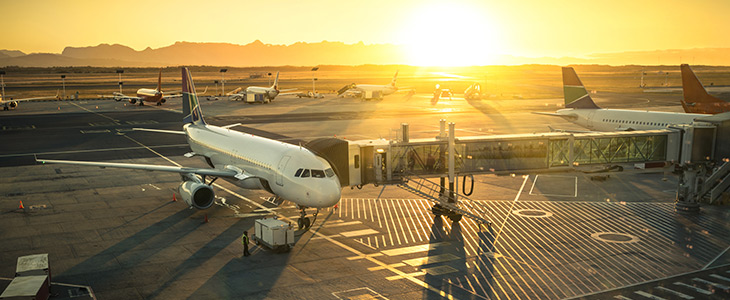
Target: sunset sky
{"x":450,"y":32}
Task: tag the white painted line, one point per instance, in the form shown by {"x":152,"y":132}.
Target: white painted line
{"x":396,"y":277}
{"x":93,"y":112}
{"x":364,"y":256}
{"x":341,"y":224}
{"x":496,"y":239}
{"x":678,"y":294}
{"x":412,"y":249}
{"x":720,"y":277}
{"x":415,"y":262}
{"x":378,"y":268}
{"x":358,"y":233}
{"x":718,"y":256}
{"x":325,"y":236}
{"x":647,"y":295}
{"x":694,"y":288}
{"x":707,"y":282}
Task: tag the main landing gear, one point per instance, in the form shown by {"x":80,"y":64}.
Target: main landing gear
{"x":304,"y":222}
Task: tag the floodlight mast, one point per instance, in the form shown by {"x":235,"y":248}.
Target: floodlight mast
{"x":119,"y":72}
{"x":223,"y":81}
{"x":63,"y":82}
{"x":2,"y":82}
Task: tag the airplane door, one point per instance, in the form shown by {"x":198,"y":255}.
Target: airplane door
{"x":282,"y":165}
{"x":589,"y":119}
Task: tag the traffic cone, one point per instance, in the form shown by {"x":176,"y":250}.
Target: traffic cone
{"x":21,"y":205}
{"x":335,"y":206}
{"x":173,"y":198}
{"x":206,"y":218}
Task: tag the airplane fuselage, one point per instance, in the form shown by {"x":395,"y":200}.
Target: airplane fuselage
{"x":621,"y":119}
{"x":272,"y":165}
{"x":150,"y":95}
{"x":270,"y":93}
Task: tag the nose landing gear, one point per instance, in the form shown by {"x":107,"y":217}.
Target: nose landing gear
{"x":304,"y":222}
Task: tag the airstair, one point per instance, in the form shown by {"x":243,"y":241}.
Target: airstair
{"x":344,"y":89}
{"x":445,"y":200}
{"x":715,"y":184}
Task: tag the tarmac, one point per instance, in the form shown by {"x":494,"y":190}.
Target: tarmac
{"x":553,"y":236}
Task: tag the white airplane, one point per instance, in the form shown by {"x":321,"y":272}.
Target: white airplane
{"x":149,"y":95}
{"x":7,"y":104}
{"x":364,"y":89}
{"x":248,"y":161}
{"x":581,"y":110}
{"x":269,"y":92}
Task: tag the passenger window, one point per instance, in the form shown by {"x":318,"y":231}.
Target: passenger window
{"x":357,"y":161}
{"x":317,"y":173}
{"x":329,"y":172}
{"x":305,"y":173}
{"x":299,"y":172}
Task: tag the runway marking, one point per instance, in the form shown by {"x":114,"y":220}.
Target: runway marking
{"x":408,"y":275}
{"x":575,"y":193}
{"x":358,"y":233}
{"x":168,"y":109}
{"x":440,"y":270}
{"x":95,"y":131}
{"x":718,"y":256}
{"x":412,"y":249}
{"x":364,"y":256}
{"x":358,"y":294}
{"x":91,"y":150}
{"x":93,"y":112}
{"x":341,"y":224}
{"x":415,"y":262}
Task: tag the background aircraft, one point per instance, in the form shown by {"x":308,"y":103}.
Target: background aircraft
{"x":581,"y":110}
{"x":148,"y":95}
{"x":269,"y":92}
{"x":248,"y":161}
{"x":369,"y":91}
{"x":695,"y":97}
{"x":7,"y":104}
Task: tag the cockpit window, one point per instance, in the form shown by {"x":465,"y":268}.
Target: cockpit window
{"x":305,"y":173}
{"x":329,"y":172}
{"x":299,"y":172}
{"x":317,"y":173}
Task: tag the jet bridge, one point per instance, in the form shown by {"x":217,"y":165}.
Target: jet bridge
{"x":397,"y":161}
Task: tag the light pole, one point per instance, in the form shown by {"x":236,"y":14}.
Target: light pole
{"x":223,"y":81}
{"x":63,"y":82}
{"x":2,"y":83}
{"x":269,"y":75}
{"x":314,"y":90}
{"x":120,"y":71}
{"x":216,"y":85}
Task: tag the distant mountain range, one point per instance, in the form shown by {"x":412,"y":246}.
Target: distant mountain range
{"x":307,"y":54}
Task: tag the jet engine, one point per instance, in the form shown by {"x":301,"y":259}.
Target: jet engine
{"x":132,"y":101}
{"x":13,"y":104}
{"x":196,"y":194}
{"x":163,"y":100}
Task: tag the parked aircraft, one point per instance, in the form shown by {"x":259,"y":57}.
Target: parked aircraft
{"x":696,"y":99}
{"x":248,"y":161}
{"x":366,"y":90}
{"x":269,"y":92}
{"x":148,"y":95}
{"x":7,"y":104}
{"x":581,"y":110}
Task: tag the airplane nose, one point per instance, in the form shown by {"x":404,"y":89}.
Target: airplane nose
{"x":330,"y":193}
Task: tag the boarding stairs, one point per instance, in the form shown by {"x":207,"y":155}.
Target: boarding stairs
{"x":439,"y":195}
{"x":715,"y":184}
{"x":344,"y":89}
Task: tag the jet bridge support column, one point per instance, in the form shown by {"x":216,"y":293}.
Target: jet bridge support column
{"x":687,"y":189}
{"x":452,"y":175}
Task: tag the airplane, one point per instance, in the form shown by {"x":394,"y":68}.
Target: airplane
{"x":365,"y":89}
{"x":148,"y":95}
{"x":7,"y":104}
{"x":13,"y":103}
{"x":581,"y":110}
{"x":269,"y":92}
{"x":287,"y":171}
{"x":695,"y":98}
{"x":473,"y":92}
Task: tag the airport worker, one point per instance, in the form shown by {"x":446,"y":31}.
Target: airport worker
{"x":244,"y":241}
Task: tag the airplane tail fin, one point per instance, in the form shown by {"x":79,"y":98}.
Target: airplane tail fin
{"x":191,"y":107}
{"x":693,"y":90}
{"x":159,"y":81}
{"x":574,"y":92}
{"x":276,"y":82}
{"x":392,"y":83}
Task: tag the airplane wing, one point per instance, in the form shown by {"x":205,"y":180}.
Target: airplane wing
{"x":183,"y":170}
{"x":286,"y":90}
{"x":288,"y":94}
{"x":160,"y":130}
{"x":34,"y":98}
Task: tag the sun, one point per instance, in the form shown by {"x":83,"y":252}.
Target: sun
{"x":449,"y":34}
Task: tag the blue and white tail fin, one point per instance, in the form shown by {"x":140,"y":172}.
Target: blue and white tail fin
{"x":574,"y":92}
{"x":190,"y":104}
